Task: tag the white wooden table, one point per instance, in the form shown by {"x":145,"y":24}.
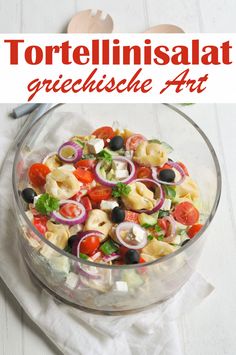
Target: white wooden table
{"x":209,"y":329}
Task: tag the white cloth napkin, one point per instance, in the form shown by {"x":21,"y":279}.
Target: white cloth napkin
{"x":151,"y":332}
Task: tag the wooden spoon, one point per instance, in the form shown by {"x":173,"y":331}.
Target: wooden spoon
{"x":90,"y":21}
{"x":165,"y":29}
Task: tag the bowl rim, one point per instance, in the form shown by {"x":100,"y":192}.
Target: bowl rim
{"x":163,"y":259}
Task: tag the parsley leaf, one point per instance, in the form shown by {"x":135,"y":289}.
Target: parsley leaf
{"x":146,"y":225}
{"x":160,"y":237}
{"x":150,"y":237}
{"x":120,"y":190}
{"x":163,"y":213}
{"x":83,"y":256}
{"x":169,"y":192}
{"x":46,"y":204}
{"x":104,"y":155}
{"x":158,"y":228}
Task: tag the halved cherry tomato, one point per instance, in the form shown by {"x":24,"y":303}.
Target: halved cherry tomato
{"x":89,"y":245}
{"x":131,"y":216}
{"x":194,"y":230}
{"x":83,"y":175}
{"x":85,"y":200}
{"x":186,"y":213}
{"x":37,"y":174}
{"x":183,"y":167}
{"x":165,"y":166}
{"x":40,"y":224}
{"x":70,"y":210}
{"x":133,"y":141}
{"x":162,"y":223}
{"x":106,"y":133}
{"x":143,"y":172}
{"x":85,"y":163}
{"x":99,"y":193}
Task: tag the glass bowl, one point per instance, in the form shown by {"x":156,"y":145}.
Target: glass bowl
{"x":102,"y":288}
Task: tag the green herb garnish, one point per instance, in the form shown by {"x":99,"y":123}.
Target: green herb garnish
{"x":146,"y":225}
{"x":150,"y":237}
{"x":108,"y":247}
{"x":46,"y":204}
{"x":78,"y":141}
{"x":160,"y":237}
{"x":88,"y":156}
{"x":104,"y":155}
{"x":158,"y":228}
{"x":120,"y":190}
{"x":169,"y":192}
{"x":83,"y":256}
{"x":163,"y":213}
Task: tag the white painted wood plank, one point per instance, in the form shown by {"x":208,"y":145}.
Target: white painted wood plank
{"x":183,"y":13}
{"x":46,"y":16}
{"x":10,"y":16}
{"x":128,"y":16}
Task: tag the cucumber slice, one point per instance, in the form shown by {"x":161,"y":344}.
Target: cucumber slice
{"x":132,"y":279}
{"x":167,"y":147}
{"x":145,"y":219}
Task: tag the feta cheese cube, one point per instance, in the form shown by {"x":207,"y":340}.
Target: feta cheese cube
{"x":121,"y":286}
{"x":129,"y":154}
{"x":71,"y":280}
{"x":95,"y":145}
{"x":121,"y":174}
{"x":176,"y":240}
{"x":75,"y":229}
{"x":36,"y":199}
{"x":68,"y":167}
{"x":108,"y":205}
{"x":166,"y":205}
{"x":119,"y":165}
{"x":139,"y":233}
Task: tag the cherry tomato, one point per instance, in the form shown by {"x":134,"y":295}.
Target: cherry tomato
{"x":184,"y":168}
{"x":70,"y":210}
{"x":83,"y":175}
{"x":141,"y":260}
{"x":194,"y":230}
{"x":131,"y":216}
{"x":99,"y":193}
{"x":40,"y":224}
{"x":162,"y":223}
{"x":106,"y":133}
{"x":89,"y":245}
{"x":143,"y":172}
{"x":133,"y":141}
{"x":85,"y":200}
{"x":37,"y":174}
{"x":85,"y":163}
{"x":186,"y":213}
{"x":165,"y":166}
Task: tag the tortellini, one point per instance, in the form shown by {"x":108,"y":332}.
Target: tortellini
{"x":57,"y":234}
{"x":139,"y":198}
{"x":98,"y":220}
{"x":62,"y":184}
{"x":53,"y":162}
{"x":156,"y":249}
{"x":188,"y":190}
{"x":150,"y":154}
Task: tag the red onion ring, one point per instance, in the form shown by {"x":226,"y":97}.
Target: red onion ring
{"x":75,"y":148}
{"x":111,"y":257}
{"x":129,"y":226}
{"x":159,"y":202}
{"x":70,"y":221}
{"x":174,"y":165}
{"x":106,"y":182}
{"x":173,"y":229}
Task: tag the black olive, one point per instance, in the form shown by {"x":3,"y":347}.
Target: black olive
{"x":185,"y":242}
{"x":167,"y":175}
{"x":116,"y":143}
{"x":117,"y":215}
{"x":71,"y":240}
{"x":28,"y":195}
{"x":132,"y":257}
